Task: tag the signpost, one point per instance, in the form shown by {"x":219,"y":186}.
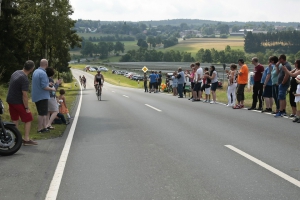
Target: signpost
{"x":224,"y":67}
{"x":144,"y":69}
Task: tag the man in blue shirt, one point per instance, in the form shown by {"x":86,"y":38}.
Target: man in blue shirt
{"x":153,"y":78}
{"x":40,"y":94}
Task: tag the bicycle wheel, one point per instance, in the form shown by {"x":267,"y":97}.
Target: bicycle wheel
{"x":99,"y":93}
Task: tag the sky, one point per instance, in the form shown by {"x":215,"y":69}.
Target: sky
{"x":217,"y":10}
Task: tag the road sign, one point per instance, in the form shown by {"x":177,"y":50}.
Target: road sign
{"x":145,"y":69}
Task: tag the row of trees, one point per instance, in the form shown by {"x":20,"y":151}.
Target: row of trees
{"x":283,"y":41}
{"x":102,"y":49}
{"x":111,"y":38}
{"x":34,"y":30}
{"x":153,"y":41}
{"x":224,"y":56}
{"x":145,"y":55}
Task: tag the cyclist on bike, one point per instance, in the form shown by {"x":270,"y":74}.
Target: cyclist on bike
{"x":99,"y":79}
{"x":83,"y":81}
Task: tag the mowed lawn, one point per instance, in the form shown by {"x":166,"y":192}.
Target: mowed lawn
{"x":193,"y":45}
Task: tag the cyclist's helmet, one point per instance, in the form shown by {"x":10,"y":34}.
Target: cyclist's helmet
{"x":98,"y":71}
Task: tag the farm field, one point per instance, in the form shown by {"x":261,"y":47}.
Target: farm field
{"x":194,"y":44}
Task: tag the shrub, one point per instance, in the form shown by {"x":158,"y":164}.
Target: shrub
{"x":67,"y":77}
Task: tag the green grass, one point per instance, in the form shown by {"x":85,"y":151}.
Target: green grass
{"x":96,"y":35}
{"x":193,"y":45}
{"x":71,"y":93}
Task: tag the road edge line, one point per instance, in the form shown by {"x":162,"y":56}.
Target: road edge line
{"x":265,"y":165}
{"x":58,"y":174}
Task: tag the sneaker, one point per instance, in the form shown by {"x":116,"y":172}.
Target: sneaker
{"x":284,"y":114}
{"x":251,"y":108}
{"x":29,"y":143}
{"x":241,"y":106}
{"x":296,"y":119}
{"x":44,"y":130}
{"x":229,"y":105}
{"x":292,"y":115}
{"x":259,"y":108}
{"x":212,"y":102}
{"x":237,"y":106}
{"x":67,"y":123}
{"x":279,"y":114}
{"x":50,"y":128}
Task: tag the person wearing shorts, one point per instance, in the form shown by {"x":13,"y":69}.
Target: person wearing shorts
{"x":242,"y":82}
{"x":198,"y":82}
{"x":284,"y":84}
{"x":40,"y":94}
{"x":267,"y":89}
{"x":17,"y":99}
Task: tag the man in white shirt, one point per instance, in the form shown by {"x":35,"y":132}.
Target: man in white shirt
{"x":198,"y":82}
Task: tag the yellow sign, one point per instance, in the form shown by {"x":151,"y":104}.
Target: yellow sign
{"x":145,"y":69}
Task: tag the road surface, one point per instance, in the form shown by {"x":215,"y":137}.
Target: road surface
{"x":136,"y":145}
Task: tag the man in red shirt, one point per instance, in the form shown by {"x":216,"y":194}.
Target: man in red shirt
{"x":258,"y":86}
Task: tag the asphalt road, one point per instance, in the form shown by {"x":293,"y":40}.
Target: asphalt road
{"x":136,"y":145}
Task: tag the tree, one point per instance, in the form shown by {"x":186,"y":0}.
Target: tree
{"x":206,"y":57}
{"x":142,"y":43}
{"x":88,"y":48}
{"x":235,"y":28}
{"x":102,"y":50}
{"x":119,"y":47}
{"x":110,"y":46}
{"x":199,"y":55}
{"x":223,"y":28}
{"x":140,"y":36}
{"x":184,"y":26}
{"x":151,"y":40}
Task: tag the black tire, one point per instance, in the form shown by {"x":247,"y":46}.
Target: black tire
{"x":18,"y":141}
{"x":99,"y":94}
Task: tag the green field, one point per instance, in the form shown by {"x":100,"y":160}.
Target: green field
{"x":194,"y":44}
{"x":87,"y":35}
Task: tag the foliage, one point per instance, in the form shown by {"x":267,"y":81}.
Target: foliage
{"x":35,"y":30}
{"x":284,"y":41}
{"x":67,"y":76}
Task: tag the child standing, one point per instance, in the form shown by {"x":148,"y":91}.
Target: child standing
{"x":63,"y":106}
{"x":297,"y":100}
{"x":207,"y":88}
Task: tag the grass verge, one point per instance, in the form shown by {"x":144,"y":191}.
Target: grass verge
{"x":71,"y":93}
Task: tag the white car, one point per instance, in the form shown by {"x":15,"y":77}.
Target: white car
{"x":104,"y":69}
{"x":92,"y":69}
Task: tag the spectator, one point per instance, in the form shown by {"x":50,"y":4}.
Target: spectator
{"x":40,"y":94}
{"x":297,"y":97}
{"x":152,"y":82}
{"x":232,"y":84}
{"x":267,"y":89}
{"x":17,"y":99}
{"x":174,"y":83}
{"x":145,"y":82}
{"x":159,"y":80}
{"x":60,"y":118}
{"x":191,"y":77}
{"x":207,"y":86}
{"x":180,"y":77}
{"x":274,"y":77}
{"x":242,"y":82}
{"x":156,"y":82}
{"x":63,"y":109}
{"x":257,"y":86}
{"x":52,"y":102}
{"x":284,"y":83}
{"x":213,"y":76}
{"x":197,"y":81}
{"x":294,"y":84}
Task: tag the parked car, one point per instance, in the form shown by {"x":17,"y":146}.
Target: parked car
{"x":92,"y":69}
{"x":137,"y":77}
{"x":104,"y":69}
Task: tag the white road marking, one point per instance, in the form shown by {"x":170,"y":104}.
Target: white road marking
{"x":125,"y":96}
{"x":56,"y":180}
{"x":153,"y":108}
{"x":113,"y":91}
{"x":266,"y":166}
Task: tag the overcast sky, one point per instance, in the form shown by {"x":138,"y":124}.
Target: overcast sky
{"x":218,"y":10}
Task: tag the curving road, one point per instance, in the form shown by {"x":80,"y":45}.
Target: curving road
{"x":136,"y":145}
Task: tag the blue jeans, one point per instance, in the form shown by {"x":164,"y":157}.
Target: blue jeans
{"x":275,"y":95}
{"x":180,"y":90}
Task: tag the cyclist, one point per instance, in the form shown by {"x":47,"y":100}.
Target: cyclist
{"x":80,"y":80}
{"x":99,"y":79}
{"x":83,"y":79}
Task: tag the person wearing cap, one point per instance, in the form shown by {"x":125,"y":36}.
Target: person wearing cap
{"x":284,"y":84}
{"x":257,"y":86}
{"x":99,"y":79}
{"x":242,"y":82}
{"x":295,"y":73}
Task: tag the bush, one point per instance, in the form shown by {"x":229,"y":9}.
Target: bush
{"x":223,"y":36}
{"x":67,"y":77}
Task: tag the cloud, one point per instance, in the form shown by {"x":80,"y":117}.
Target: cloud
{"x":220,"y":10}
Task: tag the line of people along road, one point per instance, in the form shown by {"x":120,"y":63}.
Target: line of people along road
{"x":271,"y":85}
